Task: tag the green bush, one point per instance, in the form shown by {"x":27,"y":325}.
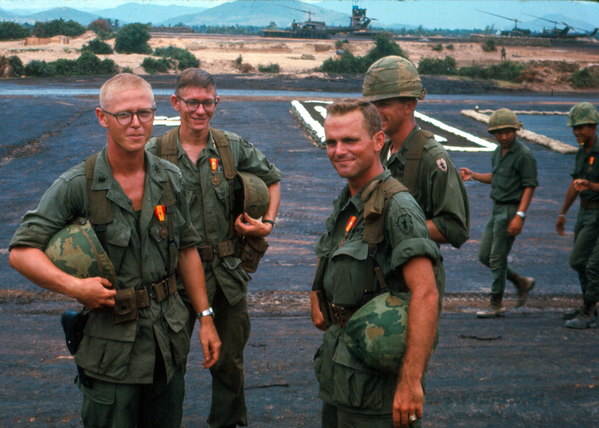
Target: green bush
{"x":87,"y":64}
{"x":184,"y":58}
{"x":151,"y":65}
{"x":133,"y":38}
{"x":98,"y":47}
{"x":16,"y":64}
{"x":489,"y":45}
{"x":438,"y":48}
{"x":348,"y":63}
{"x":127,"y":70}
{"x":36,"y":68}
{"x":12,"y":31}
{"x":58,"y":27}
{"x":437,"y":66}
{"x":270,"y":68}
{"x":507,"y":70}
{"x":584,"y":78}
{"x":338,"y":44}
{"x":102,"y":28}
{"x":449,"y":47}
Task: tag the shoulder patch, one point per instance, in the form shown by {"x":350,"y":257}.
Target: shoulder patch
{"x":405,"y":223}
{"x":442,"y":164}
{"x":246,"y":143}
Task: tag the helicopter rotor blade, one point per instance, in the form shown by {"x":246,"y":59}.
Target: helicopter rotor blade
{"x":504,"y":17}
{"x":538,"y":17}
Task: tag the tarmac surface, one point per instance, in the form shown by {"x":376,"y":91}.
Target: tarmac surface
{"x":524,"y":370}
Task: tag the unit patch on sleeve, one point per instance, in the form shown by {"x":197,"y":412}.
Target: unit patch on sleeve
{"x":442,"y":164}
{"x":405,"y":223}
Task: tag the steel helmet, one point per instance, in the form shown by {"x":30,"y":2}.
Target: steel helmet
{"x":376,"y":334}
{"x":252,"y":195}
{"x":391,"y":77}
{"x":503,"y":119}
{"x":76,"y":250}
{"x":583,"y":114}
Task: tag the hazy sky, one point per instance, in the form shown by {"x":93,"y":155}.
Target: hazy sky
{"x":431,"y":14}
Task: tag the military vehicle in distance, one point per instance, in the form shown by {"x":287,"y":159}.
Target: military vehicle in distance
{"x":318,"y":29}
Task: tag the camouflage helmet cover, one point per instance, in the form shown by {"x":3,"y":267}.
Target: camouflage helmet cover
{"x":391,"y":77}
{"x":503,"y":119}
{"x":376,"y":334}
{"x":252,"y":195}
{"x":583,"y":114}
{"x":76,"y":250}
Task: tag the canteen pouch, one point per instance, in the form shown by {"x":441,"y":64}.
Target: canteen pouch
{"x":125,"y":306}
{"x":252,"y":251}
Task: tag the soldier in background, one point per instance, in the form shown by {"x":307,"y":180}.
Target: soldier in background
{"x":513,"y":181}
{"x":355,"y":394}
{"x":197,"y":149}
{"x":583,"y":119}
{"x":133,"y":359}
{"x":503,"y":55}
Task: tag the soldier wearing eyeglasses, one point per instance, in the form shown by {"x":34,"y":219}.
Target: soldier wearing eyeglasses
{"x":133,"y":367}
{"x":208,"y":191}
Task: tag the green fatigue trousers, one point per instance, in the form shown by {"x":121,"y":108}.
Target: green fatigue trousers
{"x":496,"y":245}
{"x":334,"y":417}
{"x":228,"y":397}
{"x":585,"y":253}
{"x":116,"y":405}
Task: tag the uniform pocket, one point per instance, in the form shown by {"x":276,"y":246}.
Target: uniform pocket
{"x":347,"y":272}
{"x":177,"y":317}
{"x":118,"y":235}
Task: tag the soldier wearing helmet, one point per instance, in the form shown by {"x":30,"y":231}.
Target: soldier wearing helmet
{"x":133,"y":352}
{"x":513,"y":182}
{"x":197,"y":149}
{"x":413,"y":156}
{"x":584,"y":259}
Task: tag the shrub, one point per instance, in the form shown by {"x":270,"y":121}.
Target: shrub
{"x":89,"y":64}
{"x":12,"y":31}
{"x":38,"y":68}
{"x":127,"y":70}
{"x":58,"y":27}
{"x":133,"y":38}
{"x":437,"y":66}
{"x":184,"y":58}
{"x":438,"y":48}
{"x":449,"y":47}
{"x":384,"y":46}
{"x":102,"y":28}
{"x":338,"y":44}
{"x":243,"y":67}
{"x":151,"y":65}
{"x":348,"y":63}
{"x":584,"y":78}
{"x":507,"y":70}
{"x":489,"y":45}
{"x":16,"y":65}
{"x":98,"y":47}
{"x":270,"y":68}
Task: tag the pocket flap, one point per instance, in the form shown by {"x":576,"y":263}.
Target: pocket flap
{"x":355,"y":248}
{"x":177,"y":315}
{"x":118,"y":234}
{"x":100,"y":326}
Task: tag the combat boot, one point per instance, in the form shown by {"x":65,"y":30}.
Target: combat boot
{"x":586,"y":318}
{"x":573,"y":314}
{"x":495,"y":308}
{"x":524,"y":285}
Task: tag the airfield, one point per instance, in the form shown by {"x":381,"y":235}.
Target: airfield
{"x":524,"y":370}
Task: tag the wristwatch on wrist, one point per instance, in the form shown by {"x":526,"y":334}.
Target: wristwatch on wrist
{"x":521,"y":214}
{"x":207,"y":312}
{"x":272,"y":223}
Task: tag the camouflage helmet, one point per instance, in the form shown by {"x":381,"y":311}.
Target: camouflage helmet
{"x":583,"y":114}
{"x":76,"y":250}
{"x":503,"y":119}
{"x":391,"y":77}
{"x":252,"y":195}
{"x":376,"y":334}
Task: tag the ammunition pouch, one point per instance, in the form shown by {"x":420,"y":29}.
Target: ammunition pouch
{"x":128,"y":300}
{"x":251,"y":252}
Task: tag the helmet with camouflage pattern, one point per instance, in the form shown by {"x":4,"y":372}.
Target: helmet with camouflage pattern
{"x":252,"y":195}
{"x":583,"y":114}
{"x":76,"y":250}
{"x":503,"y":119}
{"x":376,"y":334}
{"x":392,"y":77}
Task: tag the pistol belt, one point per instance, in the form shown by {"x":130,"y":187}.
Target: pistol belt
{"x":157,"y":291}
{"x":342,"y":314}
{"x":223,"y":249}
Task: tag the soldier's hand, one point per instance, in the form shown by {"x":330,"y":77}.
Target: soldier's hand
{"x":248,"y":226}
{"x":581,"y":185}
{"x":317,"y":318}
{"x":95,"y":293}
{"x":210,"y":341}
{"x":515,"y":226}
{"x":466,"y":174}
{"x":560,"y":225}
{"x":408,"y":401}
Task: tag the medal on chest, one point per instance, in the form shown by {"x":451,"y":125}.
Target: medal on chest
{"x":591,"y":162}
{"x":160,"y":213}
{"x":348,"y":227}
{"x":214,"y":166}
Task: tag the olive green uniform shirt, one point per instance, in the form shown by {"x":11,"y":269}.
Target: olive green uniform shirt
{"x":442,"y":196}
{"x":344,"y":381}
{"x":209,"y":203}
{"x":512,"y":173}
{"x":124,"y":352}
{"x":587,"y":167}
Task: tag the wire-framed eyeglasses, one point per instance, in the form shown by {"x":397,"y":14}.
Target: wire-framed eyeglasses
{"x":193,"y":105}
{"x":125,"y":118}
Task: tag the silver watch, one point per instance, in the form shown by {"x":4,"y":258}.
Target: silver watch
{"x":207,"y":312}
{"x":521,"y":214}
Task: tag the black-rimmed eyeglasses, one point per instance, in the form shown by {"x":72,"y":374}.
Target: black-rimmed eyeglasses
{"x":193,"y":105}
{"x":125,"y":118}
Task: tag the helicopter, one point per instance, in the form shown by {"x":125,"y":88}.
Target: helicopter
{"x":318,"y":29}
{"x":552,"y":33}
{"x":565,"y":33}
{"x":519,"y":32}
